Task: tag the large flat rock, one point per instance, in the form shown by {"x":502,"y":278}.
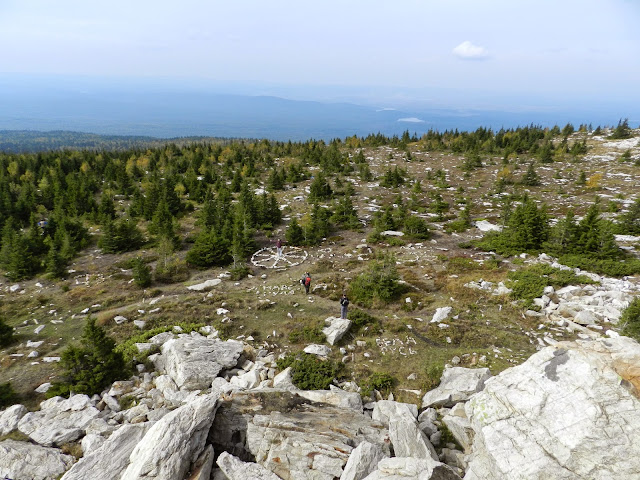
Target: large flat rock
{"x":25,"y":461}
{"x":569,"y":412}
{"x":59,"y":420}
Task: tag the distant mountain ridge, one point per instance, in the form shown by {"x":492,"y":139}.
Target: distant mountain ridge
{"x":19,"y":141}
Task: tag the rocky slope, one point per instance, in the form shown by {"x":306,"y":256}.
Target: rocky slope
{"x":571,"y":411}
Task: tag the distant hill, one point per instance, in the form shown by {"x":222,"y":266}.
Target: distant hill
{"x":18,"y":141}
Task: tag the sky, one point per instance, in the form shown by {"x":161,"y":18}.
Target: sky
{"x":496,"y":49}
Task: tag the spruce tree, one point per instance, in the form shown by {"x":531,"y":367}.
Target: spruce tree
{"x":92,"y":366}
{"x":294,"y":233}
{"x":530,"y":177}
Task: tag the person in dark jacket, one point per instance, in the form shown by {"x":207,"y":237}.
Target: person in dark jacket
{"x":344,"y":303}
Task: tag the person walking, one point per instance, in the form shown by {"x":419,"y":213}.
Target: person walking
{"x":344,"y":303}
{"x":306,"y":281}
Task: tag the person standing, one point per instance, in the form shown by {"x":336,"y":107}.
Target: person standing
{"x":306,"y":281}
{"x":344,"y":303}
{"x":279,"y":247}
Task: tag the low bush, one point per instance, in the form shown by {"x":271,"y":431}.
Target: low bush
{"x":382,"y":382}
{"x":239,"y":272}
{"x":171,"y":270}
{"x":379,"y":282}
{"x":308,"y":372}
{"x":307,"y":334}
{"x":141,"y":273}
{"x":6,"y":334}
{"x":433,"y":372}
{"x":609,"y":267}
{"x":7,"y":395}
{"x":528,"y":283}
{"x":630,"y":320}
{"x":129,"y":350}
{"x":360,"y":318}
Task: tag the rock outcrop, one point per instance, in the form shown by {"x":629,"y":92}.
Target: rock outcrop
{"x":291,"y":436}
{"x":571,"y":411}
{"x":110,"y":459}
{"x":363,"y":460}
{"x":174,"y":443}
{"x":25,"y":461}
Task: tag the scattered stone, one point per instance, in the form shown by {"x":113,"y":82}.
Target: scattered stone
{"x":44,"y":388}
{"x":318,"y":350}
{"x":119,"y":319}
{"x":441,"y":314}
{"x":236,"y":469}
{"x":205,"y":286}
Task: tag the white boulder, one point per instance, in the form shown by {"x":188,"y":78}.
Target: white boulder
{"x":194,"y":361}
{"x":110,"y":459}
{"x":59,"y":420}
{"x":570,"y":411}
{"x":10,"y":417}
{"x":236,"y":469}
{"x":363,"y":460}
{"x":174,"y":443}
{"x":317,"y":350}
{"x":441,"y":314}
{"x":25,"y":461}
{"x":204,"y":286}
{"x":335,"y":329}
{"x":457,"y":384}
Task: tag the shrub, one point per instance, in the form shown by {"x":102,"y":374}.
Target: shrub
{"x":239,"y":272}
{"x":360,"y":318}
{"x":383,"y":382}
{"x":630,"y":320}
{"x":92,"y":366}
{"x":609,"y":267}
{"x":7,"y":395}
{"x":308,"y":372}
{"x":6,"y":334}
{"x":433,"y":373}
{"x":529,"y":282}
{"x":379,"y":282}
{"x":171,"y":269}
{"x":307,"y":334}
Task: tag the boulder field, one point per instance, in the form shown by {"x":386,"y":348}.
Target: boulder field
{"x":216,"y":410}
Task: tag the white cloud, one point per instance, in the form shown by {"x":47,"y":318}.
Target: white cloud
{"x":468,"y":51}
{"x":411,"y":120}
